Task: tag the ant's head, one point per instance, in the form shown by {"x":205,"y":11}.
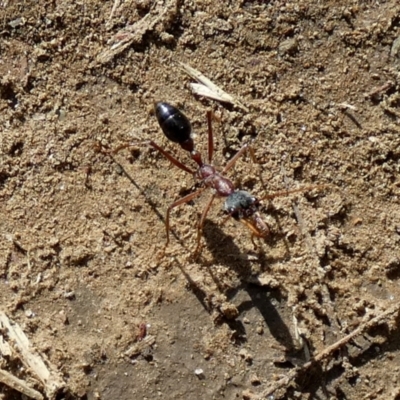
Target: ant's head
{"x":241,"y":204}
{"x":175,"y":125}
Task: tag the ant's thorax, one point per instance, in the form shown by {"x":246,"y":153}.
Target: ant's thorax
{"x":211,"y":177}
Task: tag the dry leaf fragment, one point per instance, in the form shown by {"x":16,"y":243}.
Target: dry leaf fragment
{"x":207,"y":88}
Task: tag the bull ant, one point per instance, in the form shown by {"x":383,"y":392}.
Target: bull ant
{"x":239,"y":204}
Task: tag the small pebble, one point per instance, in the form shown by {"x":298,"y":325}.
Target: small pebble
{"x":199,"y":373}
{"x":246,"y":355}
{"x":255,"y":380}
{"x":17,"y":22}
{"x":69,"y":295}
{"x":260,"y":330}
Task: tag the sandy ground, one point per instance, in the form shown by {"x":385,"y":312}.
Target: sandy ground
{"x":81,"y":231}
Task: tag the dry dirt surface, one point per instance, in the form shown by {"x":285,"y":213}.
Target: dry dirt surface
{"x":311,"y":312}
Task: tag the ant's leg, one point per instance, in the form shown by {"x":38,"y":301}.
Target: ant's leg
{"x":253,"y":241}
{"x":171,"y":158}
{"x":210,"y":137}
{"x":177,"y":203}
{"x":233,"y":160}
{"x":227,"y":217}
{"x":288,"y":192}
{"x":201,"y":223}
{"x":168,"y":156}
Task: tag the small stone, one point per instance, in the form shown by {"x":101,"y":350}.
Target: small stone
{"x":246,"y":355}
{"x":289,"y":46}
{"x":63,"y":317}
{"x":199,"y":373}
{"x":255,"y":380}
{"x":229,"y":310}
{"x":248,"y":395}
{"x":70,"y":295}
{"x":15,"y":23}
{"x":29,"y":313}
{"x":260,"y":330}
{"x":395,"y":50}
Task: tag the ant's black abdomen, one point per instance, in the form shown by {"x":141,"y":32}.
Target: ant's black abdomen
{"x":174,"y":123}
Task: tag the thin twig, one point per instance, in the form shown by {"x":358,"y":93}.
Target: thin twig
{"x":115,"y":6}
{"x":380,"y":89}
{"x":50,"y":378}
{"x":134,"y":33}
{"x":19,"y":385}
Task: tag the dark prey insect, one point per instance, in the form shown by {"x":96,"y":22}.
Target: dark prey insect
{"x":239,"y":204}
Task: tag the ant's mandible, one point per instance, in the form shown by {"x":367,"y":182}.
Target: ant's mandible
{"x":239,"y":204}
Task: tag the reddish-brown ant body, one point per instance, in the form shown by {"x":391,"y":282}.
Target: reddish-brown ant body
{"x":239,"y":204}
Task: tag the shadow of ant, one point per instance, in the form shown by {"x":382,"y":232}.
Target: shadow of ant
{"x":226,"y":252}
